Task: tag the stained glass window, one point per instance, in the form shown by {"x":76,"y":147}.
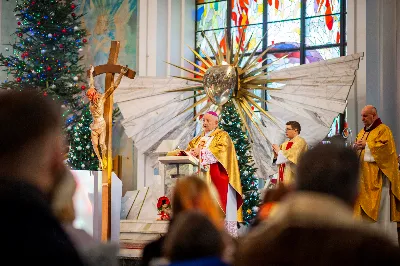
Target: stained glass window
{"x":211,"y":16}
{"x":305,"y":31}
{"x":284,"y":10}
{"x":323,"y":30}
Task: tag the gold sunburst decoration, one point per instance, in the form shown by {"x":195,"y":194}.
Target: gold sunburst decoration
{"x":225,"y":77}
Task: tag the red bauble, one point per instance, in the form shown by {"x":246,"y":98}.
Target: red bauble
{"x":83,"y":87}
{"x":61,"y":46}
{"x":73,"y":14}
{"x":63,"y":30}
{"x":48,"y":68}
{"x":18,"y":79}
{"x":84,"y":40}
{"x":20,"y":35}
{"x":54,"y":34}
{"x":38,"y":23}
{"x":45,"y":93}
{"x":19,"y":22}
{"x":73,"y":6}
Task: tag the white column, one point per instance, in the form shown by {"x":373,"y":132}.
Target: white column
{"x":356,"y":43}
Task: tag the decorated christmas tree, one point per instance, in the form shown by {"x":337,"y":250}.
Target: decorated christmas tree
{"x":231,"y":123}
{"x":81,"y":154}
{"x":46,"y":54}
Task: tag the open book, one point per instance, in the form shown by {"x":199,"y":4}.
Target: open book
{"x":183,"y":153}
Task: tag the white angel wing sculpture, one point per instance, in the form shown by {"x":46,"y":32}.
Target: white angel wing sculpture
{"x":312,"y":94}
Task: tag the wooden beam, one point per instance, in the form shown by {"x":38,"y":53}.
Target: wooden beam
{"x":108,"y":109}
{"x":102,"y":69}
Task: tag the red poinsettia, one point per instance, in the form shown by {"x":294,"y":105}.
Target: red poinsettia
{"x":164,"y":208}
{"x":163,"y":202}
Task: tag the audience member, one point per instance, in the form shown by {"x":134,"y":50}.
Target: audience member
{"x":31,"y":156}
{"x":190,"y":193}
{"x":314,"y":225}
{"x":194,"y":240}
{"x":93,"y":252}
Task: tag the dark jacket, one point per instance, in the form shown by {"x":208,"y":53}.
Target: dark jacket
{"x":29,"y":232}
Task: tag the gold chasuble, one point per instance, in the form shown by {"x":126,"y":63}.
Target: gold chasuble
{"x":381,"y":144}
{"x":222,"y":148}
{"x":291,"y":149}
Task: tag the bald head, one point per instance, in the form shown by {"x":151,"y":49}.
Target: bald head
{"x":210,"y":122}
{"x":368,"y":115}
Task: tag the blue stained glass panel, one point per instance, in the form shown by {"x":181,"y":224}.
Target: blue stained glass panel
{"x":322,"y":7}
{"x":283,"y":10}
{"x":323,"y":30}
{"x":286,"y":31}
{"x":322,"y":54}
{"x":246,"y":12}
{"x":252,"y":33}
{"x":211,"y":16}
{"x":202,"y":44}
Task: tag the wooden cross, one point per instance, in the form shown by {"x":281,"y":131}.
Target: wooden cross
{"x":110,"y":69}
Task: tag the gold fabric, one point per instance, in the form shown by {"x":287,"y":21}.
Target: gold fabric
{"x":293,"y":154}
{"x":223,"y":150}
{"x":381,"y":143}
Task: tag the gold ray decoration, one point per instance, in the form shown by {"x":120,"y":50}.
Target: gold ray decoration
{"x":223,"y":79}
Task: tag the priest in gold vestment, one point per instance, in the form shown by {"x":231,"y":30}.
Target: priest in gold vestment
{"x":289,"y":152}
{"x":217,"y":155}
{"x":379,"y":184}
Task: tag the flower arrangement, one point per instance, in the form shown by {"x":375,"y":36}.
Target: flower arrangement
{"x":164,"y":208}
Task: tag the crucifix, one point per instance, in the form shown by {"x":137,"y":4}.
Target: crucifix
{"x":101,"y":107}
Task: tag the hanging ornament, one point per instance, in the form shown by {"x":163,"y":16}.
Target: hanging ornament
{"x":84,"y":41}
{"x":87,"y":147}
{"x":80,"y":49}
{"x":249,"y":211}
{"x":61,"y":46}
{"x":18,"y":79}
{"x":38,"y":23}
{"x":42,"y":51}
{"x":75,"y":78}
{"x":48,"y":68}
{"x":53,"y":87}
{"x":50,"y":35}
{"x":73,"y":14}
{"x":19,"y":22}
{"x":20,"y":35}
{"x":76,"y":28}
{"x":7,"y":49}
{"x":82,"y":165}
{"x":33,"y":72}
{"x":83,"y":87}
{"x":73,"y":6}
{"x":79,"y":148}
{"x":45,"y":93}
{"x":64,"y":31}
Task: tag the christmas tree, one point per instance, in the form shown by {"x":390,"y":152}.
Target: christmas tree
{"x":231,"y":123}
{"x":46,"y":55}
{"x":81,"y":154}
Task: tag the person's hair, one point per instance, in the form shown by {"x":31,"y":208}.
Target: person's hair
{"x":62,"y":203}
{"x":276,"y":194}
{"x":192,"y":236}
{"x":193,"y":193}
{"x":331,"y":169}
{"x":295,"y":125}
{"x":25,"y":117}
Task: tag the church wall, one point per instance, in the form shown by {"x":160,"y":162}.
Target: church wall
{"x":166,"y":27}
{"x":382,"y":64}
{"x":373,"y":27}
{"x":356,"y":36}
{"x":8,"y":24}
